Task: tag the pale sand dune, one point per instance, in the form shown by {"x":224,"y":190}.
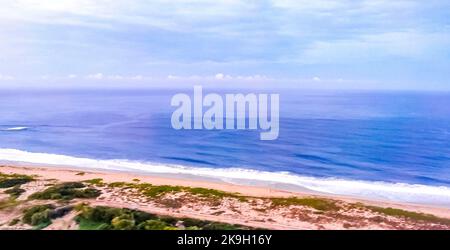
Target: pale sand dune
{"x":71,"y":174}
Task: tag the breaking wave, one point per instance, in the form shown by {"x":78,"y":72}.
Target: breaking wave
{"x":401,"y":192}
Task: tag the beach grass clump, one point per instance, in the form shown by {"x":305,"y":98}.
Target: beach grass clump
{"x":96,"y":182}
{"x":154,"y":191}
{"x":118,"y":184}
{"x":38,"y":216}
{"x":212,"y":193}
{"x":84,"y":224}
{"x":8,"y":203}
{"x":158,"y":191}
{"x":409,"y":215}
{"x":195,"y":224}
{"x":15,"y":191}
{"x":14,"y":222}
{"x":109,"y":218}
{"x":313,"y":202}
{"x":11,"y":180}
{"x":67,"y":191}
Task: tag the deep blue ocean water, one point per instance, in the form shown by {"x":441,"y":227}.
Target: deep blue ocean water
{"x":392,"y":137}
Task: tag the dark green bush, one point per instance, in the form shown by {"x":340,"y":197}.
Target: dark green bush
{"x":38,"y":215}
{"x":101,"y":214}
{"x":66,"y":191}
{"x":153,"y":225}
{"x":123,"y":222}
{"x":15,"y":192}
{"x":11,"y":182}
{"x":126,"y":219}
{"x":189,"y":222}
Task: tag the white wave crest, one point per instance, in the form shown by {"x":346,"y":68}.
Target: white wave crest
{"x":15,"y":129}
{"x":403,"y":192}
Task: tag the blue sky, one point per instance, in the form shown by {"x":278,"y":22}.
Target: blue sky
{"x":335,"y":44}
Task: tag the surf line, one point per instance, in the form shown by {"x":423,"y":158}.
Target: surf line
{"x":249,"y":111}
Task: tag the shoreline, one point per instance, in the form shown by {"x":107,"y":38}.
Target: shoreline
{"x":68,"y":174}
{"x":403,"y":192}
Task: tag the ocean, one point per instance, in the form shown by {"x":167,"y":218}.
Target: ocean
{"x":382,"y":145}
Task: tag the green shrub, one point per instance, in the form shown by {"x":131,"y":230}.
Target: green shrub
{"x":7,"y":181}
{"x":140,"y":216}
{"x":155,"y":191}
{"x":14,"y":222}
{"x":123,"y":222}
{"x":38,"y":215}
{"x":97,"y":181}
{"x":100,"y":214}
{"x":101,"y":217}
{"x":91,"y":225}
{"x":409,"y":215}
{"x":15,"y":192}
{"x":153,"y":225}
{"x":66,"y":191}
{"x":189,"y":222}
{"x":316,"y":203}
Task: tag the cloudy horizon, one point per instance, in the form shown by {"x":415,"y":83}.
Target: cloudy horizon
{"x":335,"y":44}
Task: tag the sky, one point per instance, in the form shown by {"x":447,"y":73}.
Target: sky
{"x":335,"y":44}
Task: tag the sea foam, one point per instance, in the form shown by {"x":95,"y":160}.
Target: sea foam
{"x":14,"y":129}
{"x":402,"y":192}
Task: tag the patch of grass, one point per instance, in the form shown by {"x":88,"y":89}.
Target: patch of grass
{"x":42,"y":225}
{"x":108,"y":218}
{"x":119,"y":184}
{"x":155,"y":225}
{"x":409,"y":215}
{"x":96,"y":181}
{"x":14,"y":222}
{"x":15,"y":192}
{"x":157,"y":191}
{"x":81,"y":173}
{"x":316,"y":203}
{"x":39,"y":215}
{"x":66,"y":191}
{"x":11,"y":180}
{"x":85,"y":224}
{"x":212,"y":193}
{"x":7,"y":203}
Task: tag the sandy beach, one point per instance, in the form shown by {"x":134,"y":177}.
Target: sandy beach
{"x":256,"y":211}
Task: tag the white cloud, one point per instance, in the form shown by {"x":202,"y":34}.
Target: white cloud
{"x":137,"y":77}
{"x":116,"y":77}
{"x":173,"y":15}
{"x":221,"y":77}
{"x":316,"y":79}
{"x":6,"y":77}
{"x":305,"y":5}
{"x":97,"y":76}
{"x":408,"y":44}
